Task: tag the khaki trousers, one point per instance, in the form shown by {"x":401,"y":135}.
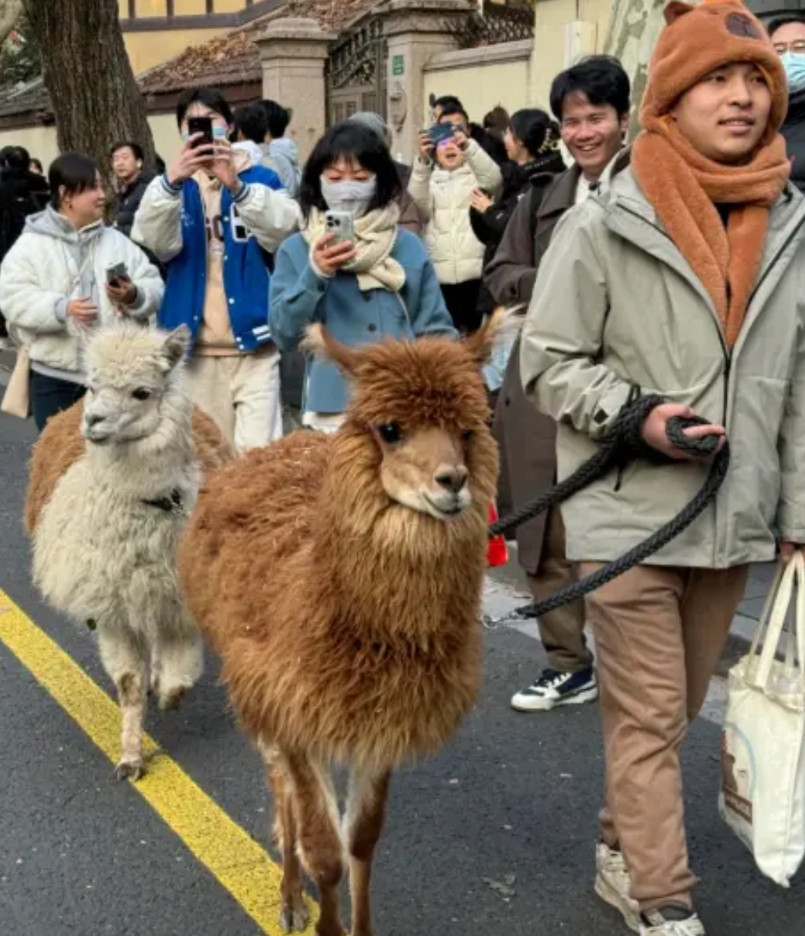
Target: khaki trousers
{"x":242,"y":394}
{"x":659,"y":633}
{"x":561,"y":631}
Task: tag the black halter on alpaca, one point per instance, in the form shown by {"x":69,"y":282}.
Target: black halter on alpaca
{"x":170,"y":503}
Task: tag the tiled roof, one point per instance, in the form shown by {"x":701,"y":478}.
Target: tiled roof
{"x":234,"y":58}
{"x":225,"y":60}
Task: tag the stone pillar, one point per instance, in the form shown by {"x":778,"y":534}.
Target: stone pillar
{"x":293,"y":51}
{"x":415,"y":30}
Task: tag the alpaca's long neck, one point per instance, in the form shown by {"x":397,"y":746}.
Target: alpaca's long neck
{"x":156,"y":464}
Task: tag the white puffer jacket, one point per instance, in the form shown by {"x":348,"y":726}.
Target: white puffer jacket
{"x":51,"y":263}
{"x":443,"y":197}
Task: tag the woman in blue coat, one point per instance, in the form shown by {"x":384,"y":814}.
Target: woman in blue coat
{"x":379,"y":285}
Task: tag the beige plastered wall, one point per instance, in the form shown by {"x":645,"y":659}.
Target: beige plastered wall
{"x":519,"y":74}
{"x":482,"y":78}
{"x":564,"y":31}
{"x":41,"y":141}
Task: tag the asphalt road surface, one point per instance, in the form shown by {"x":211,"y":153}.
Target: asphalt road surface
{"x":494,"y":836}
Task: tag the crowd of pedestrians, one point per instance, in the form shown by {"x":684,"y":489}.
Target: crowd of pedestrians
{"x":673,"y":266}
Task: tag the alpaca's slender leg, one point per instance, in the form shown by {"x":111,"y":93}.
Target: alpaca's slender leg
{"x":125,"y":658}
{"x":365,"y":815}
{"x":180,"y":655}
{"x":320,"y":846}
{"x":294,"y":915}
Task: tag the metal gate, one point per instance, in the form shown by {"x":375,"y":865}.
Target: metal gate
{"x":356,"y":72}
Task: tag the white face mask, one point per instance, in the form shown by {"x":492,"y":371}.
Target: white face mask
{"x":349,"y":195}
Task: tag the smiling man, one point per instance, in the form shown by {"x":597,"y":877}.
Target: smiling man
{"x":683,"y":276}
{"x":591,"y":102}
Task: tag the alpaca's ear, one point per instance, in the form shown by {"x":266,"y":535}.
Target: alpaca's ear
{"x":320,"y":342}
{"x":176,"y":346}
{"x":500,"y":325}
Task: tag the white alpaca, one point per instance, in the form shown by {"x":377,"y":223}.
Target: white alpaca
{"x":105,"y":546}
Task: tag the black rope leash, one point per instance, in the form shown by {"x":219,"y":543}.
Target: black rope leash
{"x":624,"y":444}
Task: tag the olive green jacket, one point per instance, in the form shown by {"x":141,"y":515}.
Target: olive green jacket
{"x":617,"y":307}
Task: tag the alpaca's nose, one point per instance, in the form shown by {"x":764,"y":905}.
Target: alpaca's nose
{"x":452,"y":479}
{"x":93,"y":420}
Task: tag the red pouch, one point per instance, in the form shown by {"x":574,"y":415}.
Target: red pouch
{"x":497,"y":554}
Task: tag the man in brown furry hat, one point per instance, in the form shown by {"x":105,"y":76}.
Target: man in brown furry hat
{"x":683,"y":276}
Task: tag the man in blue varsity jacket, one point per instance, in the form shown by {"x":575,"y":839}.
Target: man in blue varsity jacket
{"x":214,"y":219}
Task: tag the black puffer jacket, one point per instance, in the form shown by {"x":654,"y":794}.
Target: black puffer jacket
{"x":128,"y":201}
{"x":21,"y":194}
{"x":794,"y":132}
{"x":490,"y":225}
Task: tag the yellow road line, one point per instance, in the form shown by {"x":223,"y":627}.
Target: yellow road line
{"x":226,"y":850}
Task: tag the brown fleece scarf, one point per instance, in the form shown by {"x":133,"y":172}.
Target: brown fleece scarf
{"x":683,"y":186}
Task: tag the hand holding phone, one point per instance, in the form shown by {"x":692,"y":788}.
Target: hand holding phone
{"x":329,"y":257}
{"x":438,"y":133}
{"x":119,"y":287}
{"x":197,"y":152}
{"x":202,"y":126}
{"x":341,"y":225}
{"x":116,"y":273}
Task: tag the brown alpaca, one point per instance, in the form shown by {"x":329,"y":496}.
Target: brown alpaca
{"x":340,"y":578}
{"x":61,"y":444}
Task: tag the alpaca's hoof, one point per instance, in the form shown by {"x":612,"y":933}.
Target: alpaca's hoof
{"x":294,"y":919}
{"x":171,"y":700}
{"x":130,"y":768}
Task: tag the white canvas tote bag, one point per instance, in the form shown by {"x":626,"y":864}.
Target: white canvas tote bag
{"x":763,"y":768}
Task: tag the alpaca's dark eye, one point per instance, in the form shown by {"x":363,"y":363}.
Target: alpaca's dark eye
{"x":390,"y":433}
{"x":141,"y":393}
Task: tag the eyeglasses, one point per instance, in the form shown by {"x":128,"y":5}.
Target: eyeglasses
{"x":797,"y":47}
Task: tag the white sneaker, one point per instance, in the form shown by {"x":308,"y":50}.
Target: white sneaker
{"x":553,"y":688}
{"x":667,"y":922}
{"x":612,"y":885}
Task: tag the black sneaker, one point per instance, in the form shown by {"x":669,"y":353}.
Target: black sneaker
{"x":554,"y":688}
{"x":671,"y":921}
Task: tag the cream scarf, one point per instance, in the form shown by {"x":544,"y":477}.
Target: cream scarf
{"x":375,"y":237}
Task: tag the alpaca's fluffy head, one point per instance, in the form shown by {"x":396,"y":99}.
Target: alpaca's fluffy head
{"x":131,"y":371}
{"x":423,"y":413}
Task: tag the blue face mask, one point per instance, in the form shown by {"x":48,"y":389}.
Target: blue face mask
{"x":794,"y":65}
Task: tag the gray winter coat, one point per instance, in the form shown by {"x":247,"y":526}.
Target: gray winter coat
{"x":616,"y":306}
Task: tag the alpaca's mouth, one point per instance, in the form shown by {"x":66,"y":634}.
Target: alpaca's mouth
{"x":445,"y":511}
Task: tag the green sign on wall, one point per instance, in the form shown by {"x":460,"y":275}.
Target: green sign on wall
{"x":398,"y":65}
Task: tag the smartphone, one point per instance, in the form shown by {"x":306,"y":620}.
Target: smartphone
{"x":341,"y":224}
{"x":116,"y":273}
{"x":200,"y":125}
{"x":438,"y":133}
